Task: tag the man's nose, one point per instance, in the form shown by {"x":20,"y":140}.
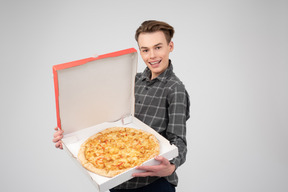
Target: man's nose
{"x":152,"y":54}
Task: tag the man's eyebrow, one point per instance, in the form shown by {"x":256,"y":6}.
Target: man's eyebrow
{"x":158,"y":44}
{"x":143,"y":47}
{"x":153,"y":46}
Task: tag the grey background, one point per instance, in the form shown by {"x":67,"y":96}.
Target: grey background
{"x":231,"y":55}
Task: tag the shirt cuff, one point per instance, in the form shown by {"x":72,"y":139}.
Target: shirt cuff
{"x":175,"y":162}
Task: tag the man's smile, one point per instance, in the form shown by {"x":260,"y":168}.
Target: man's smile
{"x":155,"y":62}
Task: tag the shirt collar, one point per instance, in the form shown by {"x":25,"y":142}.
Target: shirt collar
{"x":162,"y":77}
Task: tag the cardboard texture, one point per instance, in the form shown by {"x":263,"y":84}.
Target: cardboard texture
{"x":93,"y":94}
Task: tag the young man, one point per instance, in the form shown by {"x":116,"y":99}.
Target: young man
{"x":161,"y":102}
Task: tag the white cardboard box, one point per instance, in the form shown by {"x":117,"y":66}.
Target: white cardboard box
{"x":93,"y":94}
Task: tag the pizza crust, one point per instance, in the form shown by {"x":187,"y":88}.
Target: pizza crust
{"x":116,"y":150}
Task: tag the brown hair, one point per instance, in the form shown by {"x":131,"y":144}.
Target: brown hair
{"x":151,"y":26}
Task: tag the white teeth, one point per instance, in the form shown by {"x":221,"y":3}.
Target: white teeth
{"x":152,"y":63}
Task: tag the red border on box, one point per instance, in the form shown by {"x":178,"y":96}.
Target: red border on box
{"x":77,"y":63}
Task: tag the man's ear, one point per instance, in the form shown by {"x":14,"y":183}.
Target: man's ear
{"x":171,"y":46}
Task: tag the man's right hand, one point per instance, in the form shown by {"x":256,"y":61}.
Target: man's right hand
{"x":58,"y":135}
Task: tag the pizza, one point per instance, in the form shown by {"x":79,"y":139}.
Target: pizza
{"x":117,"y":149}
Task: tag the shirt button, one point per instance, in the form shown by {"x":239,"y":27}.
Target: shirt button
{"x":147,"y":88}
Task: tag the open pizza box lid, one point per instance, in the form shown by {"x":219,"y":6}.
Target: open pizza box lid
{"x":96,"y":93}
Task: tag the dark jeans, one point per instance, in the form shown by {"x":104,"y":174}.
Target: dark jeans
{"x":160,"y":185}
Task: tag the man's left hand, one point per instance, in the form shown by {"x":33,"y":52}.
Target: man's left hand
{"x":165,"y":168}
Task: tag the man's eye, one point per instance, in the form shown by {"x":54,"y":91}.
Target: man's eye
{"x":144,"y":50}
{"x":158,"y":47}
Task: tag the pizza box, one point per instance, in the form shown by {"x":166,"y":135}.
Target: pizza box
{"x":96,"y":93}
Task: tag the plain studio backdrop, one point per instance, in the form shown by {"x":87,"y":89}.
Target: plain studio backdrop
{"x":231,"y":55}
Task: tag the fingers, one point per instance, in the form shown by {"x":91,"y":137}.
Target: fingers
{"x":57,"y":136}
{"x":153,"y":168}
{"x":59,"y":145}
{"x":163,"y":160}
{"x":147,"y":168}
{"x":148,"y":171}
{"x":58,"y":133}
{"x":143,"y":174}
{"x":161,"y":170}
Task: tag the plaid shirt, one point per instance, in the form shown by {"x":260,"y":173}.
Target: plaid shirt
{"x":163,"y":104}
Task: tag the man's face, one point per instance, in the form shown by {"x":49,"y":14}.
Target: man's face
{"x":155,"y":51}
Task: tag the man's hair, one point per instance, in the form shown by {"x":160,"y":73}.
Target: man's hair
{"x":151,"y":26}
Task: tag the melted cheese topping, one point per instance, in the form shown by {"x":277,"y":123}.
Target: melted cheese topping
{"x":120,"y":149}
